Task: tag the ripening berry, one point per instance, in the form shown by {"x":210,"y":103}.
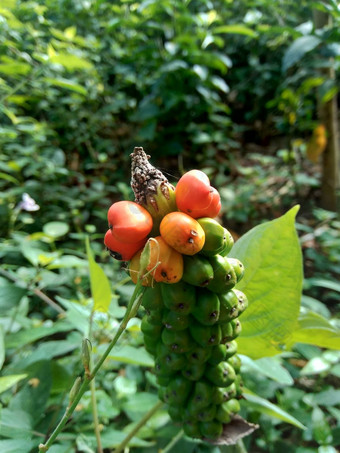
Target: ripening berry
{"x":196,"y":197}
{"x":122,"y":251}
{"x":129,"y":222}
{"x":182,"y":232}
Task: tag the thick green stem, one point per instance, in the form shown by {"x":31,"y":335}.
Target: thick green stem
{"x":131,"y":310}
{"x":138,"y":426}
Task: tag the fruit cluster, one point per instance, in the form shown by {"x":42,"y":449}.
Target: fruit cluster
{"x":192,"y":308}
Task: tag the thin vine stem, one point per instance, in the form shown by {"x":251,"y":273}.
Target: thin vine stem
{"x":132,"y":308}
{"x":36,"y":291}
{"x":173,"y":441}
{"x":93,"y":396}
{"x":138,"y":426}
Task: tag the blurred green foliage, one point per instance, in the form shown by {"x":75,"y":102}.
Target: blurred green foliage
{"x":226,"y":86}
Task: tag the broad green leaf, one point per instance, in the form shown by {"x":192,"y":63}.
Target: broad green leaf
{"x":315,"y":366}
{"x":56,"y":229}
{"x":32,"y":398}
{"x":50,"y":349}
{"x":267,"y":366}
{"x":8,"y":3}
{"x":237,"y":29}
{"x":15,"y":423}
{"x":313,"y":328}
{"x":327,"y":398}
{"x":18,"y":445}
{"x":315,"y":305}
{"x":34,"y":253}
{"x":10,"y":296}
{"x":100,"y":285}
{"x":327,"y":449}
{"x":66,"y":261}
{"x":298,"y":49}
{"x":32,"y":334}
{"x":70,"y":62}
{"x":9,"y":178}
{"x":15,"y":68}
{"x":134,"y":356}
{"x":124,"y":386}
{"x":77,"y":314}
{"x":321,"y":429}
{"x":323,"y":283}
{"x":219,"y":83}
{"x":140,"y":403}
{"x":6,"y":382}
{"x":266,"y":407}
{"x":2,"y":347}
{"x":68,"y":84}
{"x":272,"y":282}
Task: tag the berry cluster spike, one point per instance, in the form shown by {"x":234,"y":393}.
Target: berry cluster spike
{"x":191,"y":305}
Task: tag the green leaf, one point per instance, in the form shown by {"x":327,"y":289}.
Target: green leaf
{"x":140,"y":403}
{"x":68,"y":84}
{"x":67,"y":261}
{"x":15,"y":423}
{"x":10,"y":296}
{"x":56,"y":229}
{"x":32,"y":334}
{"x":327,"y":449}
{"x":6,"y":382}
{"x":51,"y":349}
{"x":266,"y":407}
{"x":2,"y":348}
{"x":298,"y":49}
{"x":17,"y":445}
{"x":70,"y":62}
{"x":272,"y":282}
{"x":267,"y":366}
{"x":32,"y":399}
{"x":100,"y":285}
{"x":15,"y":68}
{"x":237,"y":29}
{"x":134,"y":356}
{"x":321,"y":429}
{"x":314,"y":329}
{"x":323,"y":283}
{"x":9,"y":178}
{"x":315,"y":366}
{"x":326,"y":398}
{"x":10,"y":4}
{"x":220,"y":84}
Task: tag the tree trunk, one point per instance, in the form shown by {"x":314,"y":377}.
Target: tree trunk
{"x":328,"y":115}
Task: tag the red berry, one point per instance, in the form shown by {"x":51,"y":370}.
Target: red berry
{"x":122,"y":251}
{"x":129,"y":222}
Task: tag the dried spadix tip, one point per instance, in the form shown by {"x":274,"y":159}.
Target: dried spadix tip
{"x":151,"y":188}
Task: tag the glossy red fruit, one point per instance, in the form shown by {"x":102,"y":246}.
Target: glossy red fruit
{"x":129,"y":222}
{"x":196,"y":197}
{"x":122,"y":251}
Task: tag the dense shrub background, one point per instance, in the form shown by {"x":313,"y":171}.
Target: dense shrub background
{"x":230,"y":87}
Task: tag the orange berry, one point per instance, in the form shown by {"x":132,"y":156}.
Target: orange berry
{"x":182,"y":232}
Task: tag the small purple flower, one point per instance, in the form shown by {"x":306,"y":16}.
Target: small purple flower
{"x":27,"y":203}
